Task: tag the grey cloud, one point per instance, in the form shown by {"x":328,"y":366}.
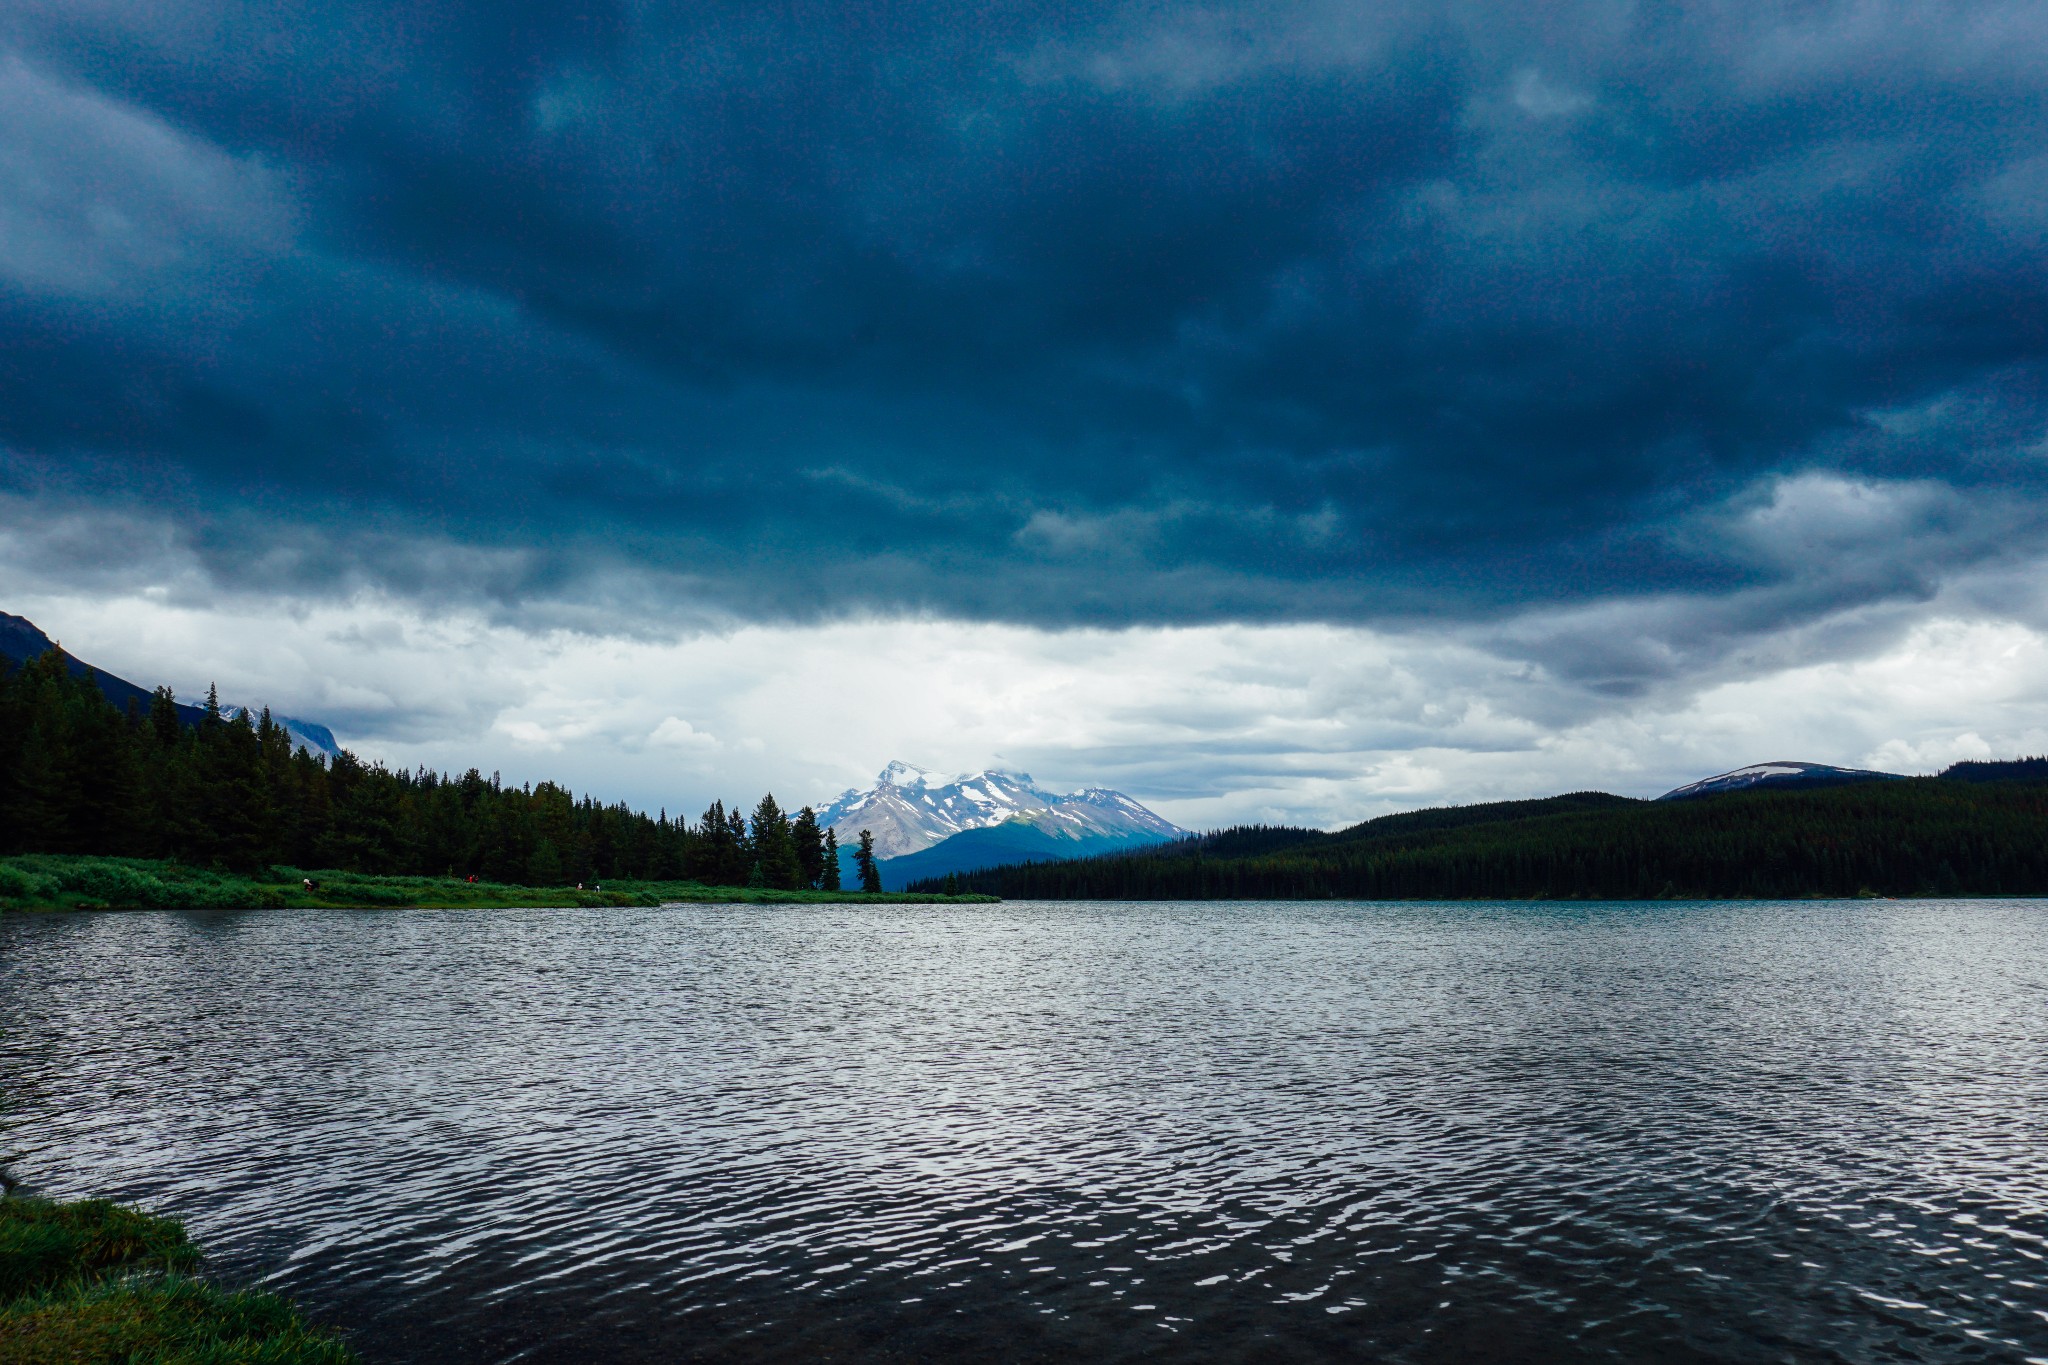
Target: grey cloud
{"x":1274,"y":312}
{"x":97,"y":199}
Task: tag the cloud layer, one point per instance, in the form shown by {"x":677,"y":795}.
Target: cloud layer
{"x":1210,"y":724}
{"x":1131,"y":314}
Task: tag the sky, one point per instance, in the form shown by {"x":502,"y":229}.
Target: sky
{"x":1276,"y":411}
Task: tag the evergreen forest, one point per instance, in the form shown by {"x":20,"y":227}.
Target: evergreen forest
{"x":79,"y":775}
{"x":1980,"y":829}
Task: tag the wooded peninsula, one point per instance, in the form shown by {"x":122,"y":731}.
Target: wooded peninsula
{"x":103,"y":805}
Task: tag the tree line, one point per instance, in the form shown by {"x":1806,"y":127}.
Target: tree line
{"x":80,"y":775}
{"x":1966,"y":835}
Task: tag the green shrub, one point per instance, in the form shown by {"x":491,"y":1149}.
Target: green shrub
{"x":367,"y":892}
{"x":108,"y":881}
{"x":19,"y":884}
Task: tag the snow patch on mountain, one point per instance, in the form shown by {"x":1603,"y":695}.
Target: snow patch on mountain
{"x":910,"y":808}
{"x":1780,"y":774}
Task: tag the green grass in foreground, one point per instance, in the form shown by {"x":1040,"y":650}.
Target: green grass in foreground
{"x":51,"y":881}
{"x":93,"y":1283}
{"x":43,"y":1244}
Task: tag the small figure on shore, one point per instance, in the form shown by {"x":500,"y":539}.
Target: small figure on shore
{"x":311,"y":885}
{"x":472,"y":878}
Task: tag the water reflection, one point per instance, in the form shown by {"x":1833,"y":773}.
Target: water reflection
{"x":1199,"y":1131}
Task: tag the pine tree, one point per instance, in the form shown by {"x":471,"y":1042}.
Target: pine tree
{"x":775,"y":850}
{"x":829,"y":880}
{"x":164,"y":726}
{"x":722,"y":857}
{"x":810,"y":847}
{"x":711,"y":836}
{"x":42,"y":777}
{"x":13,"y":732}
{"x":743,"y":846}
{"x":232,"y":772}
{"x":106,"y":795}
{"x":864,"y":861}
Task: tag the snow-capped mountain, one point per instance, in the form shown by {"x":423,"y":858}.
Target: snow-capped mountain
{"x":1774,"y":775}
{"x":909,"y":809}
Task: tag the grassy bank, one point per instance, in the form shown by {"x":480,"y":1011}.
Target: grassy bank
{"x":63,"y":882}
{"x":92,"y":1283}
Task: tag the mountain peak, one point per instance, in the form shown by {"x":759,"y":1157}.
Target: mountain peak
{"x":910,"y":808}
{"x":909,"y":775}
{"x":901,"y":774}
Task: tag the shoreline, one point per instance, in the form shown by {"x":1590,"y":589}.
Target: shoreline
{"x":51,"y":883}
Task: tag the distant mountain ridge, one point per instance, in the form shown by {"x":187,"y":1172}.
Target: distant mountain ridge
{"x":1998,"y":770}
{"x":909,"y":810}
{"x":1789,"y":775}
{"x":1779,"y":775}
{"x":21,"y":640}
{"x":1013,"y":841}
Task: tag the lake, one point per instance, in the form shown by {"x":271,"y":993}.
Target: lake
{"x":1220,"y":1131}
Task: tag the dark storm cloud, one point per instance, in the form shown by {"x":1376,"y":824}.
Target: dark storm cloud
{"x":1036,"y":312}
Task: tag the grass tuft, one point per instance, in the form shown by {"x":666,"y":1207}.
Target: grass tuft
{"x":164,"y":1320}
{"x":45,"y":1244}
{"x":94,"y":1283}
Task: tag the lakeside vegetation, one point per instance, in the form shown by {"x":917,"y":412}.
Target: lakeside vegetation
{"x":80,"y":776}
{"x":47,"y":881}
{"x":94,"y":1283}
{"x":1968,"y":835}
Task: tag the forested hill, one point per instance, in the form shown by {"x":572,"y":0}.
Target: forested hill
{"x":79,"y":775}
{"x":1913,"y":836}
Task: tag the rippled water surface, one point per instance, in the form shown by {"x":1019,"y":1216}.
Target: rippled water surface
{"x":1106,"y":1132}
